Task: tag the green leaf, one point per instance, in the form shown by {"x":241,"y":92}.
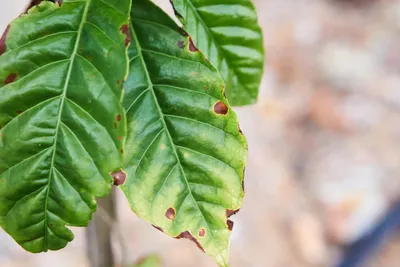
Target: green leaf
{"x":227,"y":32}
{"x":185,"y":154}
{"x":61,"y":72}
{"x":149,"y":261}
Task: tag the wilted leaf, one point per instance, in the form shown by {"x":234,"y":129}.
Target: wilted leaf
{"x":227,"y":32}
{"x":61,"y":72}
{"x":185,"y":154}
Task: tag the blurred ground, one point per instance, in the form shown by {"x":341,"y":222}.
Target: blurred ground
{"x":324,"y":153}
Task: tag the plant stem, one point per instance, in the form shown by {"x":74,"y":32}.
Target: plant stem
{"x":99,"y":233}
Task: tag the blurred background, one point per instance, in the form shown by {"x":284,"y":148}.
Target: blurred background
{"x":324,"y":150}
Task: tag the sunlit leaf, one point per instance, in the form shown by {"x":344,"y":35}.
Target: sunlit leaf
{"x":185,"y":154}
{"x":227,"y":32}
{"x":61,"y":117}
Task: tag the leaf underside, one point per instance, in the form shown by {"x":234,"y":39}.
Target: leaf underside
{"x":61,"y":117}
{"x":185,"y":154}
{"x":227,"y":32}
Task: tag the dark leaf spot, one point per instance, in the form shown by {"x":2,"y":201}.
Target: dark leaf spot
{"x":10,"y":78}
{"x":19,"y":112}
{"x":202,"y":232}
{"x":170,"y":214}
{"x":3,"y":40}
{"x":118,"y":81}
{"x":207,"y":87}
{"x":32,"y":4}
{"x":183,"y":32}
{"x":189,"y":236}
{"x":230,"y":225}
{"x":120,"y":138}
{"x":192,"y":47}
{"x":240,"y":130}
{"x":181,"y":44}
{"x":51,"y":225}
{"x":119,"y":177}
{"x":243,"y":186}
{"x":125,"y":30}
{"x":220,"y":108}
{"x":230,"y":213}
{"x":115,"y":125}
{"x":122,"y":151}
{"x":119,"y":118}
{"x":80,"y":50}
{"x":158,"y":228}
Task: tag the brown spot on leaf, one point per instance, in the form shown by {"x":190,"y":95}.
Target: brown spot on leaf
{"x":51,"y":225}
{"x":120,"y":138}
{"x":118,"y":81}
{"x":119,"y":177}
{"x":181,"y":44}
{"x":115,"y":125}
{"x":192,"y":47}
{"x":122,"y":151}
{"x":183,"y":32}
{"x":188,"y":235}
{"x":207,"y":88}
{"x":230,"y":213}
{"x":220,"y":108}
{"x":32,"y":4}
{"x":158,"y":228}
{"x":80,"y":50}
{"x":202,"y":232}
{"x":240,"y":130}
{"x":170,"y":214}
{"x":125,"y":30}
{"x":19,"y":112}
{"x":10,"y":78}
{"x":230,"y":225}
{"x":243,"y":186}
{"x":3,"y":38}
{"x":119,"y":117}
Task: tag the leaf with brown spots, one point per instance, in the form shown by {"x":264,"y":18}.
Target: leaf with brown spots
{"x":184,"y":153}
{"x":227,"y":32}
{"x":58,"y":143}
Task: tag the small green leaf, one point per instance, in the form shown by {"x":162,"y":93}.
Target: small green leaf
{"x":149,"y":261}
{"x":185,"y":154}
{"x":227,"y":32}
{"x":61,"y":117}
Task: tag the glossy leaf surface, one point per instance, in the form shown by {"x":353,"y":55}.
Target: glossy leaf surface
{"x":185,"y":154}
{"x":227,"y":32}
{"x":61,"y":116}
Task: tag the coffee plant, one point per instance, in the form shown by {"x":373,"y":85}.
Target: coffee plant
{"x":96,"y":93}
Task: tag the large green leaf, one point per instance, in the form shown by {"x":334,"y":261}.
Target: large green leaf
{"x":185,"y":154}
{"x":61,"y":73}
{"x":227,"y":32}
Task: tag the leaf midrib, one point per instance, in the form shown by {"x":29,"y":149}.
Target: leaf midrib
{"x":58,"y":125}
{"x":151,"y":88}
